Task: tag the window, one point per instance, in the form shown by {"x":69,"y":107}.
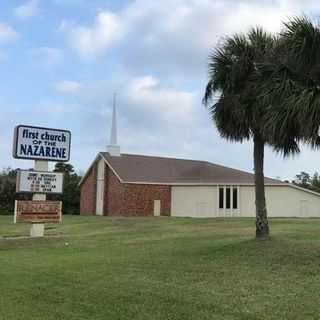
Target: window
{"x":228,"y":198}
{"x":221,"y":204}
{"x":235,"y":198}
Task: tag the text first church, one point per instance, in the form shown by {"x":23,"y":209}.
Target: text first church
{"x":118,"y":184}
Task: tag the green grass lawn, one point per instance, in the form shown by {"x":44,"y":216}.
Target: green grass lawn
{"x":160,"y":268}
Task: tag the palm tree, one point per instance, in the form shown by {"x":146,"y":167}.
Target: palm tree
{"x":292,"y":84}
{"x":233,"y":99}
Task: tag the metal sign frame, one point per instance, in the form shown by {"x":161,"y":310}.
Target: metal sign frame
{"x":15,"y":144}
{"x":37,"y":171}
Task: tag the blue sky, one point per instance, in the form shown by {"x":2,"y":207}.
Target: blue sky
{"x":61,"y":61}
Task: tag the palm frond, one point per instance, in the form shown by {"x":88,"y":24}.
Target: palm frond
{"x":227,"y":92}
{"x":290,"y":86}
{"x":302,"y":40}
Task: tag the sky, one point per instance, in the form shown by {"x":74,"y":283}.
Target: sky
{"x":62,"y":60}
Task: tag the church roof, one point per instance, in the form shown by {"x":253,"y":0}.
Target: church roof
{"x":130,"y":168}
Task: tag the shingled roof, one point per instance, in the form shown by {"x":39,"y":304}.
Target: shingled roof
{"x":132,"y":168}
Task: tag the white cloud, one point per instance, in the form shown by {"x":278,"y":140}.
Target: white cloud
{"x":67,"y":86}
{"x":7,"y":33}
{"x":163,"y":103}
{"x":90,"y":41}
{"x":46,"y":55}
{"x":175,"y":35}
{"x":27,"y":10}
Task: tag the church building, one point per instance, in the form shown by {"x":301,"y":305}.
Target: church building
{"x":119,"y":184}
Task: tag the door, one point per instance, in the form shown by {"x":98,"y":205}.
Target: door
{"x":304,"y":211}
{"x":156,"y":208}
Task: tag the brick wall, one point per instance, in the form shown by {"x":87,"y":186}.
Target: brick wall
{"x":139,"y":199}
{"x":113,"y":194}
{"x":134,"y":199}
{"x":88,"y":192}
{"x":123,"y":199}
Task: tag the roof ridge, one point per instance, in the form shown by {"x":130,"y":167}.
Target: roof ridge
{"x":159,"y":157}
{"x":225,"y":167}
{"x":238,"y":170}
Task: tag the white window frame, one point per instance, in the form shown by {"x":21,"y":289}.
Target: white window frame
{"x":224,"y":209}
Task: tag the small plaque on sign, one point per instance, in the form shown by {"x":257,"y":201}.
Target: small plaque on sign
{"x":38,"y":211}
{"x":39,"y":182}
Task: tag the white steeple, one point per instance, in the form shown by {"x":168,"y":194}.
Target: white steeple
{"x":113,"y":148}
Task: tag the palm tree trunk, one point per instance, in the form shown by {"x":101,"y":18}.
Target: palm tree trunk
{"x":262,"y":226}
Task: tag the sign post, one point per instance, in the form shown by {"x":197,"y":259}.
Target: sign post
{"x":37,"y":229}
{"x":42,"y":145}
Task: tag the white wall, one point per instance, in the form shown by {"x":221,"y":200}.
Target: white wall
{"x":282,"y":201}
{"x":189,"y":201}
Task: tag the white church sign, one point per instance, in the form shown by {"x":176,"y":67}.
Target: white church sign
{"x":41,"y":143}
{"x":39,"y":182}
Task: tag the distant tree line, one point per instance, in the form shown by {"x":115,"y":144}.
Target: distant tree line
{"x":8,"y":191}
{"x":305,"y":180}
{"x":70,"y":196}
